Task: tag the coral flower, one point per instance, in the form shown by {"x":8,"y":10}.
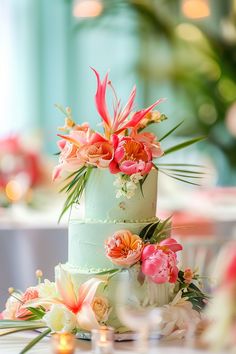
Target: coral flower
{"x":130,"y":157}
{"x":123,"y":248}
{"x":30,"y":294}
{"x":159,"y":262}
{"x":98,"y":154}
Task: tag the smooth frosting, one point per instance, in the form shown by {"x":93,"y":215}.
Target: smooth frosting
{"x":86,"y":242}
{"x":100,"y":202}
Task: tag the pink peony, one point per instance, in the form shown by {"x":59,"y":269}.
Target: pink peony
{"x":159,"y":262}
{"x":30,"y":294}
{"x":98,"y":154}
{"x":130,"y":157}
{"x":123,"y":248}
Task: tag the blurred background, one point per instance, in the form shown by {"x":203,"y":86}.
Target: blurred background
{"x":184,"y":50}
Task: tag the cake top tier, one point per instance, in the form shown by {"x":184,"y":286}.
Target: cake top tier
{"x":103,"y":204}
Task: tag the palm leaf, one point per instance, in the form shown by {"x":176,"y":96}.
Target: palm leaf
{"x":35,"y":340}
{"x":183,"y":145}
{"x":180,"y":165}
{"x":170,"y":131}
{"x":19,"y":323}
{"x":179,"y":179}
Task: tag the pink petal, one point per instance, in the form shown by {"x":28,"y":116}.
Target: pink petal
{"x":66,"y":289}
{"x":126,"y":110}
{"x":87,"y":290}
{"x":100,"y":98}
{"x":172,"y":244}
{"x":119,"y":154}
{"x":138,"y":116}
{"x":87,"y":319}
{"x":57,"y":172}
{"x":148,"y":251}
{"x":61,"y":144}
{"x":114,"y":167}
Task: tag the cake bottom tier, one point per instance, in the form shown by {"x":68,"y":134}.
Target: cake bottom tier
{"x":110,"y":294}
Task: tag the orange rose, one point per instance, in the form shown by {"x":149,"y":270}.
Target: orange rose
{"x":123,"y":248}
{"x":98,"y":154}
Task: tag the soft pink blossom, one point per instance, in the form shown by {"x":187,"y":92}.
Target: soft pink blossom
{"x":159,"y":261}
{"x":98,"y":154}
{"x":30,"y":294}
{"x":124,"y":248}
{"x":130,"y":157}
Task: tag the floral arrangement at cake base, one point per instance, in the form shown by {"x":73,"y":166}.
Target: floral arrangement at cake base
{"x":60,"y":307}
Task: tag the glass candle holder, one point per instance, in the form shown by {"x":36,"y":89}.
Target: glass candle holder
{"x":63,"y":343}
{"x":103,"y":340}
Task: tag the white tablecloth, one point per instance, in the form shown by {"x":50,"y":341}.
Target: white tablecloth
{"x":14,"y":343}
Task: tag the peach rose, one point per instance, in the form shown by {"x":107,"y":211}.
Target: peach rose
{"x":123,"y":248}
{"x":30,"y":294}
{"x":100,"y":307}
{"x":98,"y":154}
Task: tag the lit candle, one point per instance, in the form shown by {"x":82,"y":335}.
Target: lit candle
{"x":63,"y":343}
{"x":102,"y":340}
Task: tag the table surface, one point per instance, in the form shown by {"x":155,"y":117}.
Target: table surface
{"x":14,"y":343}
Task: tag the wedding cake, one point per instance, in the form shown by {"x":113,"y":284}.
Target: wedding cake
{"x":110,"y":178}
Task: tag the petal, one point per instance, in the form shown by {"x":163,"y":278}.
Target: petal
{"x":87,"y":319}
{"x":172,"y":244}
{"x":66,"y":289}
{"x":138,"y":116}
{"x":100,"y":98}
{"x":114,"y":167}
{"x":57,"y":172}
{"x":88,"y":289}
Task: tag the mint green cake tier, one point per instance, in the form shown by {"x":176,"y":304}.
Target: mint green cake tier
{"x":86,"y":242}
{"x":101,"y":202}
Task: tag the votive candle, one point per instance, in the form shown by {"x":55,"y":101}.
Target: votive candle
{"x":63,"y":343}
{"x":103,"y":340}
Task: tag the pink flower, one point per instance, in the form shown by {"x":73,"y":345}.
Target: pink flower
{"x":149,"y":140}
{"x":30,"y":294}
{"x":98,"y":154}
{"x":123,"y":248}
{"x":188,"y":275}
{"x":130,"y":157}
{"x":70,"y":146}
{"x":159,"y":262}
{"x":119,"y":122}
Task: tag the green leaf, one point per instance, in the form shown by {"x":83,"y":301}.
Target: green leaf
{"x":19,"y":323}
{"x":181,"y":164}
{"x":179,"y":179}
{"x":170,"y":131}
{"x":35,"y":340}
{"x":183,"y":145}
{"x":39,"y":313}
{"x":184,"y":171}
{"x":104,"y":272}
{"x":141,"y":182}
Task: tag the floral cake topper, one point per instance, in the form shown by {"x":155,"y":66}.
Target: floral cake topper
{"x":124,"y":147}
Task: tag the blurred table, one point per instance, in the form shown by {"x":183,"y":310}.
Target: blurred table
{"x":12,"y":344}
{"x":29,"y":241}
